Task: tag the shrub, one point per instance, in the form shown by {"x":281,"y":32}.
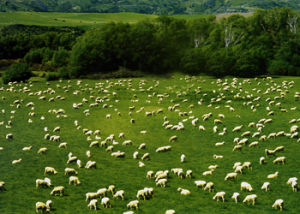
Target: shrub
{"x":38,"y":56}
{"x":17,"y":72}
{"x":63,"y":73}
{"x":60,"y":57}
{"x":52,"y":76}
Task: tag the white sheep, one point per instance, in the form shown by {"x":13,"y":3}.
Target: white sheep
{"x":93,"y":204}
{"x":279,"y":160}
{"x":278,"y":203}
{"x":219,"y":195}
{"x":209,"y":172}
{"x":200,"y":183}
{"x":105,"y":202}
{"x":149,"y":174}
{"x":262,"y":160}
{"x":27,"y":148}
{"x":74,"y":180}
{"x":41,"y":206}
{"x":239,"y":169}
{"x":246,"y":186}
{"x":58,"y":189}
{"x":266,"y":186}
{"x":16,"y":161}
{"x":235,"y":196}
{"x":249,"y":198}
{"x":62,"y":145}
{"x":90,"y":164}
{"x":231,"y":175}
{"x":49,"y":170}
{"x":161,"y":182}
{"x":274,"y":175}
{"x":111,"y":188}
{"x":94,"y":143}
{"x":88,"y":153}
{"x":91,"y":195}
{"x":209,"y":186}
{"x":183,"y":191}
{"x":217,"y":156}
{"x":145,"y":156}
{"x":135,"y":155}
{"x":44,"y":182}
{"x":170,"y":212}
{"x":128,"y":212}
{"x":133,"y":204}
{"x":42,"y":150}
{"x":189,"y":173}
{"x":119,"y":194}
{"x":182,"y":158}
{"x":102,"y":191}
{"x":79,"y":164}
{"x":173,"y":138}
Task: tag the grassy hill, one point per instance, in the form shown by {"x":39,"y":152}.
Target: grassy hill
{"x":195,"y":97}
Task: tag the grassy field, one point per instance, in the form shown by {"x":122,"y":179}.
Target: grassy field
{"x":196,"y":96}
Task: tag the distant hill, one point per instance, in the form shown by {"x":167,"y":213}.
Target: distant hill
{"x":166,"y":7}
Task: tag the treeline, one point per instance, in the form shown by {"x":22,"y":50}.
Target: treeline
{"x":268,"y":42}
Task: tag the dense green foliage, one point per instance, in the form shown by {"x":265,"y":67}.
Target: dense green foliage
{"x":17,"y":72}
{"x":145,"y":6}
{"x":267,"y":42}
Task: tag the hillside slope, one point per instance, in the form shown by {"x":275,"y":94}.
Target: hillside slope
{"x":145,"y":6}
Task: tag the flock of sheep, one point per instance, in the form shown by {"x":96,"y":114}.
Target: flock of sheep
{"x":250,"y":135}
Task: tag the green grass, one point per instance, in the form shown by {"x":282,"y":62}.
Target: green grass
{"x":124,"y":173}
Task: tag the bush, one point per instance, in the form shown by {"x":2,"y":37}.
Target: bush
{"x":38,"y":56}
{"x":17,"y":72}
{"x":52,"y":76}
{"x":63,"y":73}
{"x":60,"y":57}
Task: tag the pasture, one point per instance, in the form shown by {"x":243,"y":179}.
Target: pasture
{"x":109,"y":105}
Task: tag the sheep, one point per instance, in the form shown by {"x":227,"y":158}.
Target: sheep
{"x":209,"y":186}
{"x":50,"y":170}
{"x":91,"y":195}
{"x":274,"y":175}
{"x":141,"y":193}
{"x":247,"y":165}
{"x":189,"y":173}
{"x":72,"y":159}
{"x":279,"y":148}
{"x":16,"y":161}
{"x":220,"y":143}
{"x":237,"y":128}
{"x":294,"y":185}
{"x":93,"y":204}
{"x":182,"y":158}
{"x":161,"y":175}
{"x":74,"y":180}
{"x":201,"y":128}
{"x":270,"y":152}
{"x":79,"y":164}
{"x":232,"y":175}
{"x":133,"y":204}
{"x":209,"y":172}
{"x":278,"y":203}
{"x":142,"y":146}
{"x":161,"y":182}
{"x":44,"y":182}
{"x":237,"y":147}
{"x":200,"y":183}
{"x":27,"y":148}
{"x":145,"y":156}
{"x":42,"y":150}
{"x":170,"y":212}
{"x":105,"y":202}
{"x":62,"y":145}
{"x":217,"y":156}
{"x":254,"y":143}
{"x":120,"y":194}
{"x":49,"y":204}
{"x":58,"y":189}
{"x":118,"y":154}
{"x":246,"y":186}
{"x":41,"y":206}
{"x":262,"y":160}
{"x":183,"y":191}
{"x":172,"y":138}
{"x":219,"y":195}
{"x":279,"y":160}
{"x":236,"y":164}
{"x":56,"y":129}
{"x":9,"y":136}
{"x":127,"y":143}
{"x":291,"y":180}
{"x":90,"y":164}
{"x":249,"y":198}
{"x":213,"y":167}
{"x":266,"y":186}
{"x":2,"y":185}
{"x":102,"y":191}
{"x":149,"y":174}
{"x":94,"y":143}
{"x":239,"y":169}
{"x":235,"y":196}
{"x":128,"y":212}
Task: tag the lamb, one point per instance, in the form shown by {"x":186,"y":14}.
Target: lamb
{"x":62,"y":145}
{"x":44,"y":182}
{"x":262,"y":160}
{"x":200,"y":183}
{"x":189,"y":173}
{"x":235,"y":196}
{"x":50,"y":170}
{"x":266,"y":186}
{"x":16,"y":161}
{"x":145,"y":156}
{"x":27,"y":148}
{"x":209,"y":186}
{"x":173,"y":138}
{"x":74,"y":180}
{"x":105,"y":202}
{"x":93,"y":204}
{"x":279,"y":160}
{"x":90,"y":164}
{"x":219,"y":195}
{"x":249,"y":198}
{"x":58,"y":189}
{"x":41,"y":206}
{"x":135,"y":155}
{"x":232,"y":175}
{"x":102,"y":192}
{"x":182,"y":158}
{"x":278,"y":203}
{"x":183,"y":191}
{"x":120,"y":194}
{"x":170,"y":212}
{"x":149,"y":174}
{"x":161,"y":182}
{"x":111,"y":188}
{"x":42,"y":150}
{"x":246,"y":186}
{"x":133,"y":204}
{"x":274,"y":175}
{"x":91,"y":195}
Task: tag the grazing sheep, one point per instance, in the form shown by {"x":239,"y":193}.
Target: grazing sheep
{"x":128,"y":212}
{"x":93,"y":204}
{"x":274,"y":175}
{"x":246,"y":186}
{"x":235,"y":196}
{"x":58,"y":189}
{"x":161,"y":182}
{"x":170,"y":212}
{"x":209,"y":186}
{"x":16,"y":161}
{"x":200,"y":183}
{"x":42,"y":150}
{"x":119,"y":194}
{"x":182,"y":158}
{"x":236,"y":164}
{"x":94,"y":143}
{"x":111,"y":188}
{"x":219,"y":195}
{"x":141,"y":193}
{"x":142,"y":146}
{"x":9,"y":136}
{"x":102,"y":191}
{"x":266,"y":186}
{"x":88,"y":153}
{"x":43,"y":182}
{"x":247,"y":165}
{"x":278,"y":203}
{"x":231,"y":175}
{"x":237,"y":147}
{"x":41,"y":206}
{"x":209,"y":172}
{"x":133,"y":204}
{"x":145,"y":156}
{"x":249,"y":198}
{"x":27,"y":148}
{"x":217,"y":156}
{"x":189,"y":173}
{"x":62,"y":145}
{"x":255,"y":143}
{"x":72,"y":159}
{"x":183,"y":191}
{"x":149,"y":174}
{"x":74,"y":180}
{"x":262,"y":160}
{"x":49,"y":170}
{"x":105,"y":202}
{"x":91,"y":195}
{"x":2,"y":185}
{"x":90,"y":164}
{"x":173,"y":138}
{"x":239,"y":169}
{"x":279,"y":160}
{"x":79,"y":164}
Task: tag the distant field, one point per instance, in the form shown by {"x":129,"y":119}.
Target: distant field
{"x":86,"y":20}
